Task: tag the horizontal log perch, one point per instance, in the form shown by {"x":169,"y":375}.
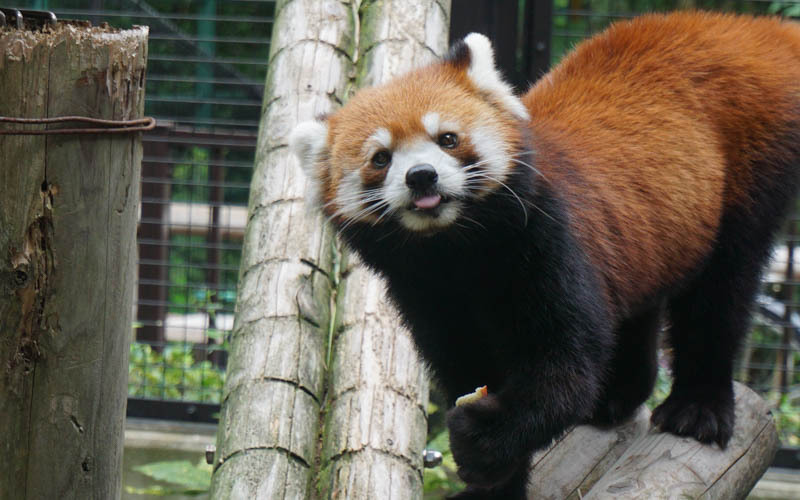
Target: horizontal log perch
{"x":569,"y":468}
{"x":635,"y":462}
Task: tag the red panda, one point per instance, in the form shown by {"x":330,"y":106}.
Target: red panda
{"x":537,"y":244}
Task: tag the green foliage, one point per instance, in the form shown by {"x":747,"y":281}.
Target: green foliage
{"x":440,"y":481}
{"x":786,"y":9}
{"x":173,"y":374}
{"x":190,"y":179}
{"x":763,"y":368}
{"x":187,"y":478}
{"x":787,"y":419}
{"x":188,"y":292}
{"x":661,"y":389}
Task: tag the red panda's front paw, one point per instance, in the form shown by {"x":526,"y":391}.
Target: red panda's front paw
{"x":707,"y":417}
{"x":485,"y":455}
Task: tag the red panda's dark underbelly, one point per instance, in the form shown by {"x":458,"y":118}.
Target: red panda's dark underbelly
{"x":650,"y":145}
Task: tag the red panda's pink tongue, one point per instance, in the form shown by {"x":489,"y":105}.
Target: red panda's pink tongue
{"x":426,"y":202}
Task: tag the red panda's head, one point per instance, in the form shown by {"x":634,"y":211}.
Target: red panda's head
{"x":418,"y":148}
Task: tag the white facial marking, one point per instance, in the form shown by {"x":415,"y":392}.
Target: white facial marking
{"x":350,"y":196}
{"x":431,"y":123}
{"x":434,"y":125}
{"x":485,"y":76}
{"x":380,"y":139}
{"x":492,"y":151}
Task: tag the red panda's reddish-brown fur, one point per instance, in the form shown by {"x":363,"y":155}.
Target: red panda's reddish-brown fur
{"x":716,"y":90}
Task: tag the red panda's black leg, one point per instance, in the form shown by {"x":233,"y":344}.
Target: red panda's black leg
{"x":492,"y":438}
{"x":709,"y":321}
{"x":633,"y":369}
{"x":707,"y":327}
{"x":514,"y":488}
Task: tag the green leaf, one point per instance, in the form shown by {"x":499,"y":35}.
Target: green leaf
{"x":160,"y":491}
{"x":792,"y":11}
{"x":179,"y":472}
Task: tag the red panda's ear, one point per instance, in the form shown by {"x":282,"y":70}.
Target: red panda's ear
{"x":474,"y":55}
{"x":308,"y":142}
{"x":458,"y":56}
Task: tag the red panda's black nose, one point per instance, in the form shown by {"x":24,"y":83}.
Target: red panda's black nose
{"x":421,"y":177}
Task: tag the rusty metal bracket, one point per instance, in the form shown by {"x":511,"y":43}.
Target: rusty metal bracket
{"x":18,"y":17}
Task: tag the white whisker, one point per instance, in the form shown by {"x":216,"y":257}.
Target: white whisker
{"x":534,"y":169}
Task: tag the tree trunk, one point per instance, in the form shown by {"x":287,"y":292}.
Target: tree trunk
{"x":325,"y":395}
{"x":376,"y":425}
{"x":269,"y":422}
{"x":67,"y":259}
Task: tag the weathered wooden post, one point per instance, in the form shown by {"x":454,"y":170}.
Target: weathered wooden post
{"x":68,"y":208}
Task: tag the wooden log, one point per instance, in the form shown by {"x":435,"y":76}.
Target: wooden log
{"x":68,"y":207}
{"x":574,"y":463}
{"x":267,"y":440}
{"x":376,"y":425}
{"x":660,"y":465}
{"x":634,"y":461}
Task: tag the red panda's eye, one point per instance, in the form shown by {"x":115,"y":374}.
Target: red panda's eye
{"x":448,"y":140}
{"x":381,"y":159}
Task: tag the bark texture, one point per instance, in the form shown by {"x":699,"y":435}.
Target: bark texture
{"x":634,"y":462}
{"x":325,"y":395}
{"x":269,"y":423}
{"x":659,"y":465}
{"x":574,"y":463}
{"x":376,"y":425}
{"x":68,"y":208}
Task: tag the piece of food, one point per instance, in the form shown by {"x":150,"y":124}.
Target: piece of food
{"x":479,"y":393}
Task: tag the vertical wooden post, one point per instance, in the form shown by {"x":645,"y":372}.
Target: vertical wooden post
{"x":376,"y":419}
{"x":68,"y":208}
{"x":268,"y":434}
{"x":325,"y":396}
{"x":154,"y":244}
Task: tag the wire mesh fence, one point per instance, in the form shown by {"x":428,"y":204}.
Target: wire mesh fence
{"x":207,"y":64}
{"x":574,"y":20}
